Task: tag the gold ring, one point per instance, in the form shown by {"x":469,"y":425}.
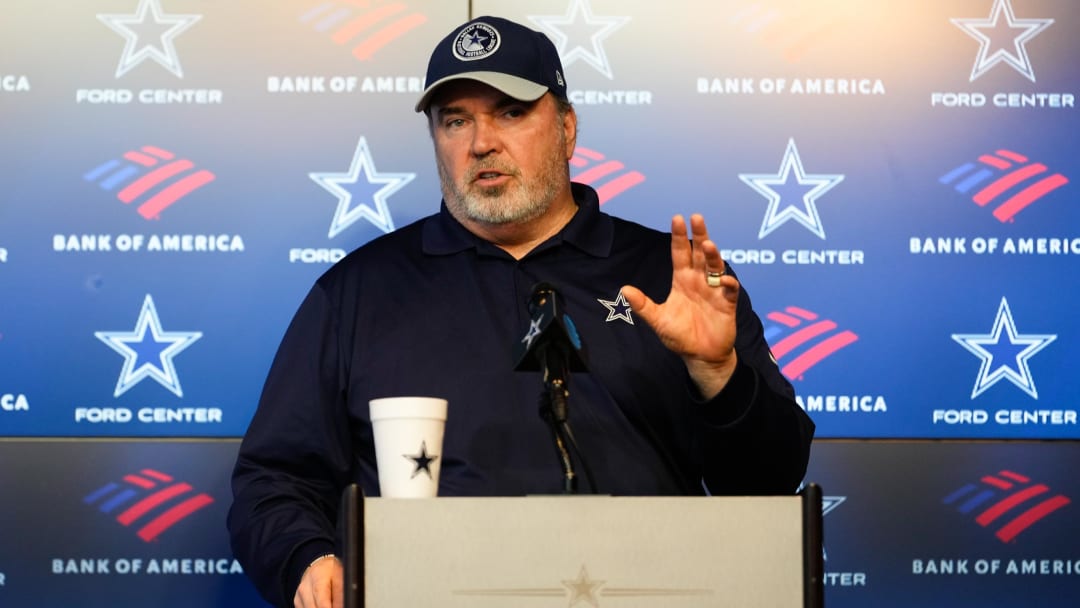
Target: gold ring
{"x":713,"y":278}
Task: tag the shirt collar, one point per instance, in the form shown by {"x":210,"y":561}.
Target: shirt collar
{"x":590,"y":230}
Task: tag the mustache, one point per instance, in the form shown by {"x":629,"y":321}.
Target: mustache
{"x":484,"y":167}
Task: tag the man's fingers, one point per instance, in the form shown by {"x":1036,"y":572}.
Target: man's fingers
{"x":639,"y":302}
{"x":322,"y":586}
{"x":681,"y":252}
{"x":339,"y":589}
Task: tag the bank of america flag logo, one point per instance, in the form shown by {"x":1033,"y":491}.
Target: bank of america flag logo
{"x":1002,"y":38}
{"x":364,"y":27}
{"x":150,"y":178}
{"x":608,"y":177}
{"x":1005,"y":181}
{"x":1007,"y":503}
{"x":148,"y":351}
{"x":149,"y":502}
{"x":1004,"y":353}
{"x":800,"y":339}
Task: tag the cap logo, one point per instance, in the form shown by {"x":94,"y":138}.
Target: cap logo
{"x":476,"y":41}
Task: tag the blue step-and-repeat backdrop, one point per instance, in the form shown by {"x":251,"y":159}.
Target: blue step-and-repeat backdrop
{"x":893,"y":182}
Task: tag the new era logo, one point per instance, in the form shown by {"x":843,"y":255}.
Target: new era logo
{"x":366,"y":28}
{"x":1009,"y":501}
{"x":608,"y":177}
{"x":150,"y":177}
{"x":1006,"y":181}
{"x":800,"y":339}
{"x":150,"y":499}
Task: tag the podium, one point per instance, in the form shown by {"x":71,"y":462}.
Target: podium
{"x":596,"y":551}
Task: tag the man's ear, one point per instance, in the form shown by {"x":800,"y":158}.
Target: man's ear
{"x":570,"y":131}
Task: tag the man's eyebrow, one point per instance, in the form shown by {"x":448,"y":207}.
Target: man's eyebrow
{"x":445,"y":110}
{"x":504,"y":102}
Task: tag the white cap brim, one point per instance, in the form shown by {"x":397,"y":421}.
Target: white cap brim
{"x":518,"y":88}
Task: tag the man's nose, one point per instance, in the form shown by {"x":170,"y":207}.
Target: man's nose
{"x":486,"y":137}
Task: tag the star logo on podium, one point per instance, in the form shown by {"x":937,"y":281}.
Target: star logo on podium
{"x":587,"y":590}
{"x":579,"y":35}
{"x":583,"y":589}
{"x":792,"y":193}
{"x":1002,"y":39}
{"x":422,"y":460}
{"x":1004,"y":353}
{"x":618,"y":309}
{"x":148,"y":351}
{"x":367,"y":187}
{"x":148,"y":34}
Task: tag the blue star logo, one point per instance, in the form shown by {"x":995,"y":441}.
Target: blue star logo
{"x":792,"y":193}
{"x":1004,"y":353}
{"x":828,"y":503}
{"x":363,"y":184}
{"x":579,"y":35}
{"x":148,"y":34}
{"x":148,"y":351}
{"x":618,"y":309}
{"x":1002,"y":40}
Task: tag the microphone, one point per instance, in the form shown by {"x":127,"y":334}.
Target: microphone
{"x":552,"y":345}
{"x":552,"y":337}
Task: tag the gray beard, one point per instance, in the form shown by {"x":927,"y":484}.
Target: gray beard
{"x":513,"y":203}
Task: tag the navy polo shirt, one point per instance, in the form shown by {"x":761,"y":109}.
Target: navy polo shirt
{"x":433,"y":310}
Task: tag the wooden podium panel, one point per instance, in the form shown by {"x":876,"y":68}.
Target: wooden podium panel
{"x":618,"y":552}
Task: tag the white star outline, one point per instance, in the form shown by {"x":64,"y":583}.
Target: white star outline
{"x":989,"y":373}
{"x":1018,"y":59}
{"x":164,"y":373}
{"x":805,"y":214}
{"x":362,"y":166}
{"x":579,"y":10}
{"x":828,"y":503}
{"x":160,"y":50}
{"x":534,"y":331}
{"x":618,"y":303}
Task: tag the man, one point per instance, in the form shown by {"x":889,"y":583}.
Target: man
{"x":680,"y":397}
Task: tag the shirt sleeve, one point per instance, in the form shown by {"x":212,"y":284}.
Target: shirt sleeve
{"x":757,"y":437}
{"x":295,"y":458}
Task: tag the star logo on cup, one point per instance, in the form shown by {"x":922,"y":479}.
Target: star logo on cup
{"x":423,"y":461}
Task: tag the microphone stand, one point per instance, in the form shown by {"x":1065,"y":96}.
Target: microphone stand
{"x":553,"y":410}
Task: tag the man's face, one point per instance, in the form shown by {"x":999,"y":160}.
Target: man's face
{"x":500,"y":160}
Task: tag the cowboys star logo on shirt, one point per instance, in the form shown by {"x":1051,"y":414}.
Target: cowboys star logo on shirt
{"x":618,"y":309}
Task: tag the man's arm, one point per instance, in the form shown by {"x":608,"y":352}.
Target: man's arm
{"x":295,"y":458}
{"x":757,"y":438}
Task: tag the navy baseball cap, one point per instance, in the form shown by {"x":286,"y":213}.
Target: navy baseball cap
{"x":500,"y":53}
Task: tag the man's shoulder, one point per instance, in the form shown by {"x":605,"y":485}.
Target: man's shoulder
{"x":400,"y":244}
{"x":631,"y":233}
